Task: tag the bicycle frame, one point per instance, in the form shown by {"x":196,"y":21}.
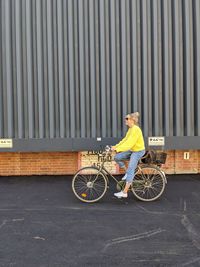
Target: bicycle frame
{"x":105,"y":171}
{"x":101,"y":168}
{"x":148,"y":184}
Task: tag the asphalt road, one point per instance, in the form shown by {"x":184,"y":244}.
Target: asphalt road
{"x":43,"y":224}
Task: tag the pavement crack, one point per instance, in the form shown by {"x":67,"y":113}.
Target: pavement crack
{"x":40,"y":238}
{"x":7,"y":221}
{"x":196,"y":260}
{"x":131,"y":238}
{"x":18,"y":220}
{"x":185,"y":206}
{"x":193,"y":234}
{"x":3,"y":223}
{"x":156,"y":212}
{"x":149,"y":211}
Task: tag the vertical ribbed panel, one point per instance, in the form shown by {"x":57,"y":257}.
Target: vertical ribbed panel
{"x":75,"y":68}
{"x":196,"y":25}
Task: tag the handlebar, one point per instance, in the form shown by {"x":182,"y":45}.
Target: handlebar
{"x":108,"y":148}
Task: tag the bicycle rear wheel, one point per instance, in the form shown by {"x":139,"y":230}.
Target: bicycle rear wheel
{"x":89,"y":184}
{"x":148,"y":183}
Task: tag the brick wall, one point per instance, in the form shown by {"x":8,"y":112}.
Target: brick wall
{"x":199,"y":161}
{"x":169,"y":166}
{"x":175,"y":163}
{"x":61,"y":163}
{"x":51,"y":163}
{"x":190,"y":165}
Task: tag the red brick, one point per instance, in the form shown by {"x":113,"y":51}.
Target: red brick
{"x":62,"y":163}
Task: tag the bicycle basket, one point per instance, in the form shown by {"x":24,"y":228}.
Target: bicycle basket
{"x":160,"y":157}
{"x":154,"y":157}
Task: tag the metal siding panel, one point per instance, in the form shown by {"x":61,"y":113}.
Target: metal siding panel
{"x":144,"y":74}
{"x":82,"y":69}
{"x":35,"y":70}
{"x":128,"y":58}
{"x":177,"y":64}
{"x":66,"y":70}
{"x":108,"y":68}
{"x":87,"y":68}
{"x":123,"y":63}
{"x":134,"y":49}
{"x":97,"y":68}
{"x":24,"y":72}
{"x":113,"y":67}
{"x":166,"y":74}
{"x":45,"y":72}
{"x":139,"y":57}
{"x":40,"y":68}
{"x":55,"y":68}
{"x":102,"y":67}
{"x":150,"y":89}
{"x":1,"y":73}
{"x":197,"y":64}
{"x":61,"y":67}
{"x":92,"y":68}
{"x":155,"y":66}
{"x":160,"y":84}
{"x":14,"y":72}
{"x":188,"y":63}
{"x":5,"y":115}
{"x":118,"y":71}
{"x":9,"y":80}
{"x":73,"y":69}
{"x":19,"y":71}
{"x":170,"y":45}
{"x":155,"y":104}
{"x":77,"y":69}
{"x":30,"y":108}
{"x":50,"y":70}
{"x":1,"y":104}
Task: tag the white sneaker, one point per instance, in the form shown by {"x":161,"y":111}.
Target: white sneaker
{"x":121,"y":194}
{"x":124,"y":177}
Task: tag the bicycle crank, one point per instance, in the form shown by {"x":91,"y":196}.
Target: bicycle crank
{"x":120,"y":185}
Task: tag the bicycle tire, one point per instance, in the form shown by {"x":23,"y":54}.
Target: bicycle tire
{"x":148,"y":184}
{"x":89,"y":184}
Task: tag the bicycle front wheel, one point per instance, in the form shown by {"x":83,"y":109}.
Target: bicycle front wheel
{"x":89,"y":184}
{"x":148,"y":183}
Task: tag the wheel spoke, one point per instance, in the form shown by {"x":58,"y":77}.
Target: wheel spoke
{"x":97,"y":193}
{"x":82,"y":178}
{"x":79,"y":187}
{"x":148,"y":184}
{"x":90,"y":186}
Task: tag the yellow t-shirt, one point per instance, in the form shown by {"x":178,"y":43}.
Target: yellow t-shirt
{"x":133,"y":140}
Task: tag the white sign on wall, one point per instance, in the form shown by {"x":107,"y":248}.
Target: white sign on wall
{"x":6,"y":143}
{"x":156,"y":141}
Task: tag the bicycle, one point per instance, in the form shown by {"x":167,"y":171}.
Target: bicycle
{"x":90,"y":184}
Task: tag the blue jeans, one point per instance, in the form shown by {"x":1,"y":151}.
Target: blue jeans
{"x":134,"y":158}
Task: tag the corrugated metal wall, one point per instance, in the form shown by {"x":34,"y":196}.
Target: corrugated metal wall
{"x":74,"y":68}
